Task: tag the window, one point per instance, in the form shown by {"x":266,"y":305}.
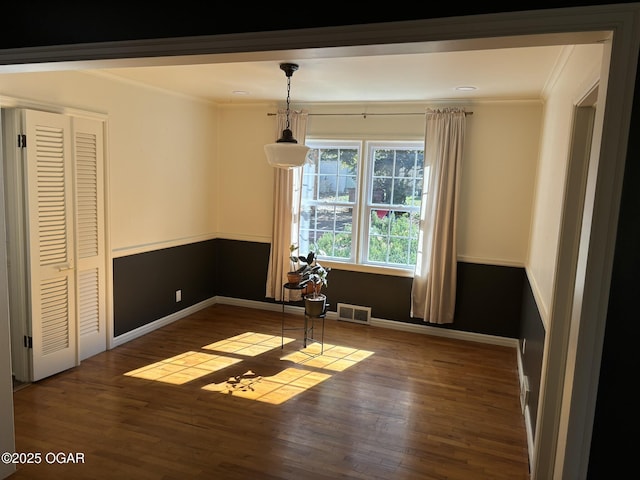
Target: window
{"x":363,"y":211}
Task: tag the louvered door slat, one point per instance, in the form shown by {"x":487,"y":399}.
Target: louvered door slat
{"x":89,"y":302}
{"x":90,"y":253}
{"x":51,"y":194}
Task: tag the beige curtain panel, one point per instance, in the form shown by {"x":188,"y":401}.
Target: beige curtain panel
{"x":286,"y":212}
{"x":433,"y":294}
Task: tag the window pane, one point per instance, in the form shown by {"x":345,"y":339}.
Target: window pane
{"x":403,"y":192}
{"x":348,"y":161}
{"x":381,"y":191}
{"x":383,"y":163}
{"x":309,"y":187}
{"x":398,"y":250}
{"x":378,"y":248}
{"x":347,"y":187}
{"x":400,"y":225}
{"x":330,"y":229}
{"x":335,"y":245}
{"x":329,"y":161}
{"x":327,"y":187}
{"x":405,"y":163}
{"x":393,"y":237}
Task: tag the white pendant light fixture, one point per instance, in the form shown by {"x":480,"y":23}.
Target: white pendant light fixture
{"x":286,"y":152}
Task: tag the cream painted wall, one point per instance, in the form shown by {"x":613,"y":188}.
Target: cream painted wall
{"x":578,"y":74}
{"x":161,"y":151}
{"x":498,"y":172}
{"x":244,"y":179}
{"x":166,"y":184}
{"x":501,"y":151}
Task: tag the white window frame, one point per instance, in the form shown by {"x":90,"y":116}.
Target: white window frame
{"x":367,"y":204}
{"x":362,"y":204}
{"x":327,"y":144}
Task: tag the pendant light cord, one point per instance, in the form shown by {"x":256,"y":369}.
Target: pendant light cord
{"x":288,"y":98}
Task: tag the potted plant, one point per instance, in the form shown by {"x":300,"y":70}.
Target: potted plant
{"x":299,"y":266}
{"x":314,"y":299}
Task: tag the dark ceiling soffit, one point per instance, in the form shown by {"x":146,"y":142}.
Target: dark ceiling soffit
{"x":546,"y":27}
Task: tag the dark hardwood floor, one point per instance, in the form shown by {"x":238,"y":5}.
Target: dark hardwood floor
{"x":213,"y":396}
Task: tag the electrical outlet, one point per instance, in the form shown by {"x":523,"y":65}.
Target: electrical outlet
{"x":178,"y":295}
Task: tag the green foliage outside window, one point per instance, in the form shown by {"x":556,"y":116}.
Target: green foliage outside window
{"x":393,"y":238}
{"x":336,"y":245}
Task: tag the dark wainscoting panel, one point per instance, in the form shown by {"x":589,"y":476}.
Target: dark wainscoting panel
{"x":242,"y":269}
{"x":388,"y":296}
{"x":533,"y":333}
{"x":145,"y":284}
{"x":488,"y":300}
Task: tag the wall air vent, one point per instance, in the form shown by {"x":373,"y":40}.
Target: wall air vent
{"x":354,"y":313}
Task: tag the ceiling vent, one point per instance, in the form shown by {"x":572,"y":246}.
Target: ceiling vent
{"x":354,"y":313}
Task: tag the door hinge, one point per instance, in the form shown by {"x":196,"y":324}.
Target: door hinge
{"x":28,"y":342}
{"x":22,"y":140}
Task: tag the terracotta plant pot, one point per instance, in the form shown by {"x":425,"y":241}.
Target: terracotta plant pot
{"x":310,"y":288}
{"x":294,"y":277}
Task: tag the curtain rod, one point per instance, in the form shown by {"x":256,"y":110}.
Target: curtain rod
{"x":365,"y":115}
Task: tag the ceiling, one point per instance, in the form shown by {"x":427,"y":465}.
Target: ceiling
{"x":496,"y":73}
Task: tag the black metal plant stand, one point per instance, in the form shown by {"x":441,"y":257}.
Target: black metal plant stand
{"x":308,"y":327}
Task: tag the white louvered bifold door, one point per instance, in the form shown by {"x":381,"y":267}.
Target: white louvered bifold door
{"x":49,"y":180}
{"x":90,"y":248}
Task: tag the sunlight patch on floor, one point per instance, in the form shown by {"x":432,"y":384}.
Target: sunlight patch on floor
{"x":334,"y":357}
{"x":250,"y":344}
{"x":275,"y":389}
{"x":183,"y":368}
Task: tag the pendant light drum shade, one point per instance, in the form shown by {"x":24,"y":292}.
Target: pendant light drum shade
{"x":286,"y":155}
{"x":286,"y":152}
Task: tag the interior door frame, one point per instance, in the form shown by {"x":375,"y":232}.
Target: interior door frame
{"x":21,"y":364}
{"x":15,"y":215}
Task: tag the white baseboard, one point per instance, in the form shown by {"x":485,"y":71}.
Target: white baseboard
{"x":527,"y":412}
{"x":375,"y":322}
{"x":161,"y":322}
{"x":379,"y":322}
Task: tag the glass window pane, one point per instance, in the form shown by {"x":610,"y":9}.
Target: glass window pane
{"x":348,"y":161}
{"x":307,"y":216}
{"x":325,"y":218}
{"x":403,"y":192}
{"x":347,"y":187}
{"x":329,"y":161}
{"x":334,"y":236}
{"x":379,"y":224}
{"x":312,"y":160}
{"x":400,"y":225}
{"x":383,"y":163}
{"x":327,"y":187}
{"x":381,"y":191}
{"x":398,"y":250}
{"x":309,"y":187}
{"x":378,"y":247}
{"x":405,"y":163}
